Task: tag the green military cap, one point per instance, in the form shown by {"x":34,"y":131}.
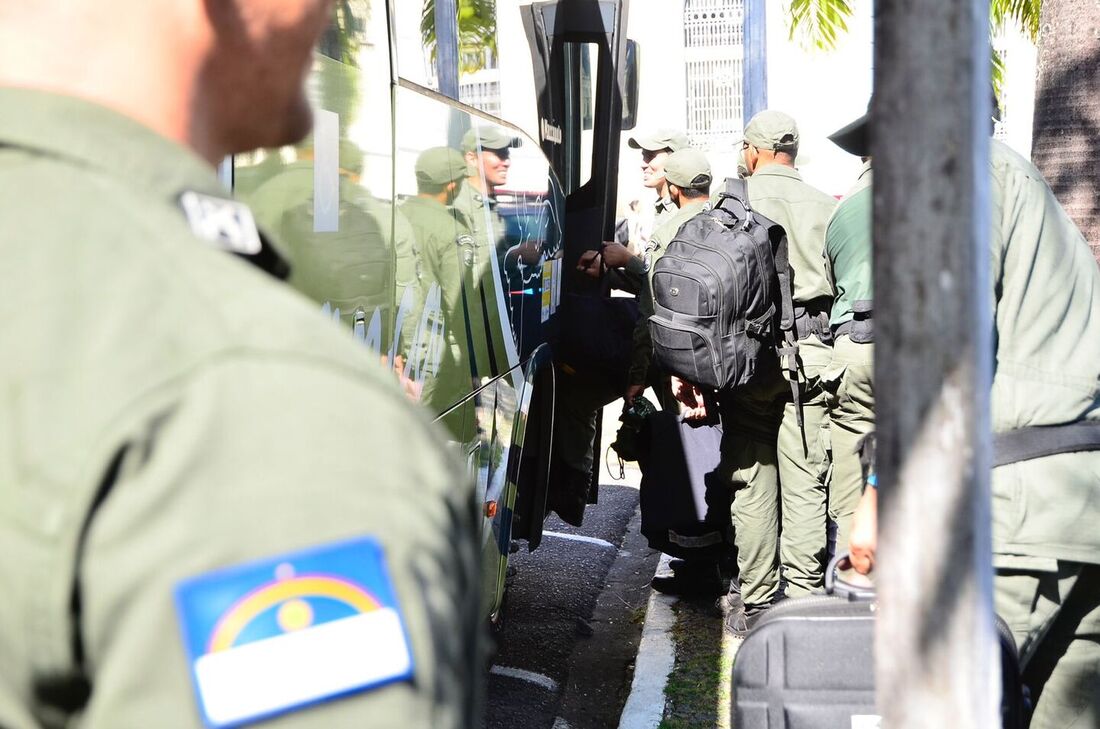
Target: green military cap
{"x":440,"y":165}
{"x":659,"y":139}
{"x":688,"y":168}
{"x":488,"y":137}
{"x":772,"y":130}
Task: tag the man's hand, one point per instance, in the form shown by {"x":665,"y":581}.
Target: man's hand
{"x":864,"y":538}
{"x":691,"y":397}
{"x":411,"y":388}
{"x":632,"y":392}
{"x":590,"y":263}
{"x":616,"y":255}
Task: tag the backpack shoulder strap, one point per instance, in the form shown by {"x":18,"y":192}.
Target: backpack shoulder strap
{"x":788,"y":347}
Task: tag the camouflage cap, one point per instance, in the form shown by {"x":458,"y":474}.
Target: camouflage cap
{"x":660,"y":139}
{"x":488,"y":137}
{"x":439,"y":165}
{"x":688,"y":169}
{"x":772,"y":130}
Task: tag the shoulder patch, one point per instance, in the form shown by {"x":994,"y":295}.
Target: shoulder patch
{"x":225,"y":223}
{"x":286,"y":632}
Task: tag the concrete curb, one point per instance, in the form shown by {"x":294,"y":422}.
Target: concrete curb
{"x":645,"y":706}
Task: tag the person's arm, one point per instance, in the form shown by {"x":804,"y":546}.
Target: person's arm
{"x":273,"y":457}
{"x":864,"y":537}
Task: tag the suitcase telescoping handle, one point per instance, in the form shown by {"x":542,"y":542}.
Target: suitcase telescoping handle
{"x":834,"y":585}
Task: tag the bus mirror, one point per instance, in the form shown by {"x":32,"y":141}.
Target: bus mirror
{"x":629,"y":85}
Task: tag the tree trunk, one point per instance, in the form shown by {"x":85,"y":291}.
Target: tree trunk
{"x":1066,"y":146}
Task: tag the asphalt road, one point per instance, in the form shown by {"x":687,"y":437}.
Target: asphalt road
{"x":572,"y":621}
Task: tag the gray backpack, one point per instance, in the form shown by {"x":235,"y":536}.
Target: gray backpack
{"x":724,"y":315}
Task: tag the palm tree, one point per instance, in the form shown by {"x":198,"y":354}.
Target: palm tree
{"x":1066,"y":135}
{"x":820,"y":23}
{"x":1066,"y":131}
{"x":477,"y":31}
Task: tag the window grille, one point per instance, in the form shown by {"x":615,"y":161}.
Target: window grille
{"x":483,"y":95}
{"x":714,"y":55}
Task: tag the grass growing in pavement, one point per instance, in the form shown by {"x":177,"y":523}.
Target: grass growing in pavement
{"x":697,"y":695}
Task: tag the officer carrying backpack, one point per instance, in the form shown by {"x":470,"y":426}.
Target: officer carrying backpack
{"x":724,"y":313}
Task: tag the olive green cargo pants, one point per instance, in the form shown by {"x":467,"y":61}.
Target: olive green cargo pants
{"x":1055,"y":618}
{"x":803,"y":475}
{"x":749,"y":463}
{"x":851,"y":401}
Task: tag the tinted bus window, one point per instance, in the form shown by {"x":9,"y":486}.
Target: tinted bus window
{"x":328,"y":201}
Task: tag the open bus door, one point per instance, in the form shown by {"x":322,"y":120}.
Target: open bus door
{"x":582,"y":73}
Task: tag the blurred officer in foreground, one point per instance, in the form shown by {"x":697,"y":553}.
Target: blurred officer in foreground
{"x":217,"y":507}
{"x":1046,"y":547}
{"x":777,"y":191}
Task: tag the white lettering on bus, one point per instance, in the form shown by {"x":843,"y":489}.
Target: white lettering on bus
{"x":550,"y":133}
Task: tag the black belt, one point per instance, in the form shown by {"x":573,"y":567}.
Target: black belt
{"x":1038,"y":441}
{"x":813,"y":318}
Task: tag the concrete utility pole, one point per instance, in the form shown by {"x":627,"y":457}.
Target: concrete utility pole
{"x":446,"y":47}
{"x":935,"y":652}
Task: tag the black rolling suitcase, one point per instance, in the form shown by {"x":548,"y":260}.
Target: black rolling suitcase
{"x":809,"y":664}
{"x":685,"y":507}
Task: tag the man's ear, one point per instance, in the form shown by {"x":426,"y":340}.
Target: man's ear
{"x":471,"y":158}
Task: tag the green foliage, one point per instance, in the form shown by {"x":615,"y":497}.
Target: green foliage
{"x":1024,"y":13}
{"x":477,"y":31}
{"x":819,"y":22}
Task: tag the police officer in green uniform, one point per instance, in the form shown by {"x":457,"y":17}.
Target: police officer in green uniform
{"x":656,"y":148}
{"x":445,"y":248}
{"x":1046,"y":548}
{"x":487,"y":151}
{"x":688,"y":175}
{"x":850,"y":375}
{"x":627,"y":269}
{"x":203,"y":478}
{"x":777,"y":191}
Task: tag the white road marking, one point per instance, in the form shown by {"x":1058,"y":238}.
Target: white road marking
{"x":580,"y":538}
{"x":560,"y":723}
{"x":529,"y":676}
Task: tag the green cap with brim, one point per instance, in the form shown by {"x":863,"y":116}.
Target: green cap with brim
{"x":772,"y":130}
{"x":440,"y":165}
{"x":688,"y":169}
{"x":660,"y":139}
{"x":488,"y":138}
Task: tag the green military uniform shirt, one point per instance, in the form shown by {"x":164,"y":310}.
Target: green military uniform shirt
{"x":1046,"y":289}
{"x":777,"y":192}
{"x":444,"y":244}
{"x":848,"y":249}
{"x":492,"y":347}
{"x":479,"y":213}
{"x":663,"y":210}
{"x":168,"y":410}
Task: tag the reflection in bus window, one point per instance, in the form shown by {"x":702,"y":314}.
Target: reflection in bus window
{"x":328,"y":200}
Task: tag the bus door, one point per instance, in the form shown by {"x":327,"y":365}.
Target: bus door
{"x":579,"y":54}
{"x":579,"y":60}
